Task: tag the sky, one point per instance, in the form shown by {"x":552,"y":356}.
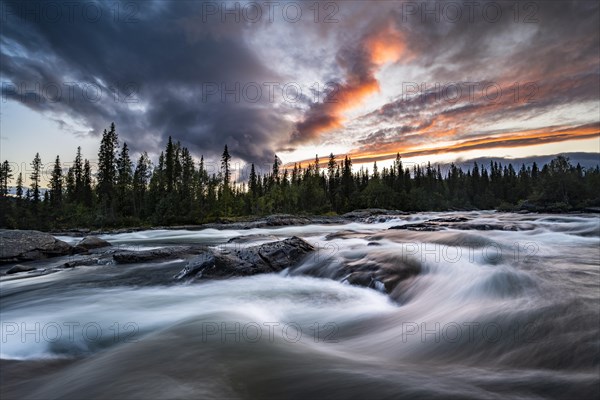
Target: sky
{"x":433,"y":81}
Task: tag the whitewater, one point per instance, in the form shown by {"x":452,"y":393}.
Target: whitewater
{"x":504,"y":306}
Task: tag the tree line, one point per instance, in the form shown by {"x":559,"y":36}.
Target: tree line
{"x":179,"y":190}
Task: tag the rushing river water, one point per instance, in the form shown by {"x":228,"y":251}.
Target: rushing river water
{"x":509,"y":308}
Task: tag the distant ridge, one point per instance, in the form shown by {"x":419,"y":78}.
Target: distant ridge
{"x":587,"y":160}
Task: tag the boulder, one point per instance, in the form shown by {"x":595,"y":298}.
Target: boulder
{"x":165,"y":253}
{"x":18,"y":245}
{"x":89,"y":243}
{"x":384,"y":274}
{"x":265,"y":258}
{"x":20,"y":268}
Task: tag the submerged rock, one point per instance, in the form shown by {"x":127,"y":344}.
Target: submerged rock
{"x":17,"y":245}
{"x":20,"y":268}
{"x":265,"y":258}
{"x":89,"y":243}
{"x":251,"y":238}
{"x":384,"y":273}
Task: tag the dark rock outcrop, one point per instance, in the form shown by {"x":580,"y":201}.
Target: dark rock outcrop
{"x":265,"y":258}
{"x":17,"y":245}
{"x":89,"y":243}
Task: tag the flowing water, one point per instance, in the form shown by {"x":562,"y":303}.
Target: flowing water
{"x":505,"y":306}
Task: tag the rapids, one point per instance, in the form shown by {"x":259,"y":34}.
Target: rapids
{"x":494,"y":314}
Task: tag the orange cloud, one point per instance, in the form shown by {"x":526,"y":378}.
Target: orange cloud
{"x":509,"y":140}
{"x":375,"y":49}
{"x":514,"y":139}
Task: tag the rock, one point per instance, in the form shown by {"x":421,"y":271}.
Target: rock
{"x":345,"y":234}
{"x":364,"y":213}
{"x":275,"y":220}
{"x":87,"y":262}
{"x":20,"y":268}
{"x":461,"y":223}
{"x":282,"y":254}
{"x":265,"y":258}
{"x":130,"y":257}
{"x":251,"y":238}
{"x":420,"y":227}
{"x":384,"y":273}
{"x":91,"y":242}
{"x":17,"y":245}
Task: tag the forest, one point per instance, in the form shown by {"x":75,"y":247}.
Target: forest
{"x":178,"y":190}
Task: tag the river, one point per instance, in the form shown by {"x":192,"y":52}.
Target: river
{"x":509,"y":308}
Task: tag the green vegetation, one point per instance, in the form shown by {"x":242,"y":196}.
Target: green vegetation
{"x":179,"y":191}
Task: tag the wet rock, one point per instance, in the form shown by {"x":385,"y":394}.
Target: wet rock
{"x":89,"y":243}
{"x":461,"y":223}
{"x":368,"y":212}
{"x":165,"y":253}
{"x":419,"y":227}
{"x":20,"y":268}
{"x":383,"y":273}
{"x":17,"y":245}
{"x":251,"y":238}
{"x":265,"y":258}
{"x":90,"y":261}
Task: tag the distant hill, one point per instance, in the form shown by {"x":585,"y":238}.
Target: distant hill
{"x":587,"y":160}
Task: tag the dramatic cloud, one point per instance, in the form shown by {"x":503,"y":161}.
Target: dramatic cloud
{"x":410,"y":77}
{"x":360,"y":65}
{"x":154,"y":76}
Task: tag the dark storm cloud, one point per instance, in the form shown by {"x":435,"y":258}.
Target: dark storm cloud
{"x":164,"y":53}
{"x":160,"y":59}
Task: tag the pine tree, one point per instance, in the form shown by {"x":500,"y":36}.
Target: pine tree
{"x":70,"y":186}
{"x":107,"y":170}
{"x":276,"y":164}
{"x":78,"y":176}
{"x":170,"y":165}
{"x":56,"y":184}
{"x":87,"y":193}
{"x":225,"y":168}
{"x":252,"y":184}
{"x":36,"y":166}
{"x":19,"y":191}
{"x":5,"y":177}
{"x":141,"y":179}
{"x":124,"y":181}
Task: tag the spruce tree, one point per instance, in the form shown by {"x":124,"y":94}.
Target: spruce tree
{"x":124,"y":180}
{"x":107,"y":170}
{"x":225,"y":168}
{"x":36,"y":166}
{"x":86,"y":182}
{"x":56,"y":184}
{"x":19,"y":189}
{"x":5,"y":177}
